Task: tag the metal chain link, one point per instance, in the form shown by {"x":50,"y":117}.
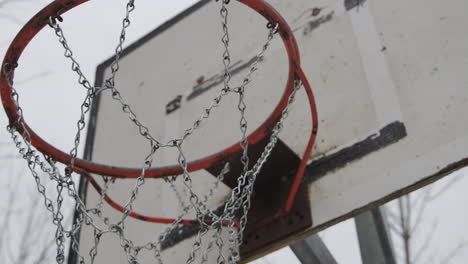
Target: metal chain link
{"x":110,"y":83}
{"x":264,"y":156}
{"x":98,"y":209}
{"x":75,"y":66}
{"x":233,"y":247}
{"x":33,"y":159}
{"x":85,"y":107}
{"x":30,"y":156}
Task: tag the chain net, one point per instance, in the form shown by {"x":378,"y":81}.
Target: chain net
{"x":233,"y":215}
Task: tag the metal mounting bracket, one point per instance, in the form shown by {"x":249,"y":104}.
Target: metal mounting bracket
{"x":264,"y":226}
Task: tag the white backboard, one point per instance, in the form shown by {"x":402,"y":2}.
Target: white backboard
{"x":389,"y":79}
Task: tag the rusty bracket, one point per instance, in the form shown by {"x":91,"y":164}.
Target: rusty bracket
{"x":265,"y":227}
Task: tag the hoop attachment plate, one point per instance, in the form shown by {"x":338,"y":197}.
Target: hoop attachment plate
{"x":264,"y":229}
{"x":266,"y":223}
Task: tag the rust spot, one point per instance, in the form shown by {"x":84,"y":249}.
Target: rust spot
{"x":316,"y":11}
{"x":200,"y":80}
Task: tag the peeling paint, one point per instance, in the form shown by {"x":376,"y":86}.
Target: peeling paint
{"x":388,"y":135}
{"x":312,"y":25}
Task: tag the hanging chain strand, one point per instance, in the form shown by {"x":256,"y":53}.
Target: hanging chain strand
{"x":85,"y":108}
{"x":233,"y":246}
{"x":32,"y":159}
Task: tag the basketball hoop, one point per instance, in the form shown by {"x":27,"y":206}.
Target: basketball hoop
{"x":206,"y":218}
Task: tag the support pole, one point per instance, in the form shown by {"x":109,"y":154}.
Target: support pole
{"x":313,"y":251}
{"x":374,"y":240}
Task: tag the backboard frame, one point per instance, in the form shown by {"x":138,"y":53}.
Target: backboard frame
{"x":389,"y":134}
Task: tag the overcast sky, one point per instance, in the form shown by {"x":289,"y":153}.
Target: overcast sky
{"x":51,"y":98}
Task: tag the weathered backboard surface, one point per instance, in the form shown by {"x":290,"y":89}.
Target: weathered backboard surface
{"x":390,"y":83}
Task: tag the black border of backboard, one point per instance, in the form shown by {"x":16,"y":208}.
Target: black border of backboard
{"x":387,"y":135}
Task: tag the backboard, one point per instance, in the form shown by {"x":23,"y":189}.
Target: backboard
{"x":391,"y":89}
